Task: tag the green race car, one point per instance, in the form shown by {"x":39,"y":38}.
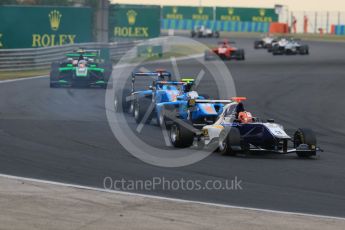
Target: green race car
{"x":81,"y":68}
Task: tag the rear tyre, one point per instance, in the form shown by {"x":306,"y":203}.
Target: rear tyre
{"x":162,"y":119}
{"x":180,"y":136}
{"x":207,"y":55}
{"x":257,"y":44}
{"x":230,"y":143}
{"x":240,"y":55}
{"x":52,"y":85}
{"x":243,"y":57}
{"x":141,"y":107}
{"x":54,"y":74}
{"x":305,"y":136}
{"x":304,"y":50}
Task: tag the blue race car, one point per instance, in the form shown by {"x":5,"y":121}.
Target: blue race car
{"x":163,"y":96}
{"x":129,"y":98}
{"x":237,"y":131}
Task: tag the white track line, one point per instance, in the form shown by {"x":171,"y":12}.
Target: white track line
{"x":22,"y":79}
{"x":167,"y":198}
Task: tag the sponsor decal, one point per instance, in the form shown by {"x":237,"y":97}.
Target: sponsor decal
{"x":174,"y":14}
{"x":131,"y":30}
{"x":45,"y":40}
{"x":262,"y":17}
{"x":54,"y":18}
{"x":230,"y":16}
{"x":131,"y":16}
{"x":200,"y":14}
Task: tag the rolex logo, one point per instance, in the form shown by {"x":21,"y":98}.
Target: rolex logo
{"x":231,"y":11}
{"x":131,"y":15}
{"x":54,"y":18}
{"x":200,"y":10}
{"x":174,"y":10}
{"x":262,"y":12}
{"x":149,"y":50}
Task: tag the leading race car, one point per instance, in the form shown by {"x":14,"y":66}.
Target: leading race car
{"x":81,"y":68}
{"x":290,"y":46}
{"x":237,"y":131}
{"x":204,"y":32}
{"x":225,"y":51}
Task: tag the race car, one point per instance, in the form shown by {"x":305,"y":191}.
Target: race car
{"x":165,"y":97}
{"x":275,"y":42}
{"x":237,"y":131}
{"x":225,"y":51}
{"x":264,"y":42}
{"x":289,"y":46}
{"x":80,"y":68}
{"x":203,"y":32}
{"x":128,"y":98}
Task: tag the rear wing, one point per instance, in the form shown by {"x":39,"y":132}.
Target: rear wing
{"x":213,"y":101}
{"x":192,"y":102}
{"x":226,"y":42}
{"x":171,"y":82}
{"x":84,"y":52}
{"x":155,"y":74}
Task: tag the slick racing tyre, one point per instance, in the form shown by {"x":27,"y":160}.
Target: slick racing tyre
{"x":240,"y":55}
{"x":230,"y":142}
{"x":181,"y":136}
{"x":163,"y":119}
{"x":307,"y":137}
{"x":141,"y":107}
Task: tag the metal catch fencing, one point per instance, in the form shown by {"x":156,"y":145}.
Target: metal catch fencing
{"x":41,"y":58}
{"x":313,"y":21}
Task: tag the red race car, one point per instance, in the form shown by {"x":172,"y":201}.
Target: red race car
{"x":225,"y":51}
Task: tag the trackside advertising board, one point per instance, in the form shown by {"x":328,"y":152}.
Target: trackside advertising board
{"x":246,"y":14}
{"x":133,"y":21}
{"x":187,"y":12}
{"x":30,"y":27}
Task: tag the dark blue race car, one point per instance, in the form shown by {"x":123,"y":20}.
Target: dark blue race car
{"x":237,"y":131}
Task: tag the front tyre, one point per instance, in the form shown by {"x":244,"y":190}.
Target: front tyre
{"x":305,"y":137}
{"x":230,"y":142}
{"x":141,"y":107}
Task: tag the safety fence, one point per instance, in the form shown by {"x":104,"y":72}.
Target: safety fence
{"x":41,"y":58}
{"x":315,"y":22}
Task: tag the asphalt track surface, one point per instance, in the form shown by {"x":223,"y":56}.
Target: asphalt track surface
{"x":63,"y":134}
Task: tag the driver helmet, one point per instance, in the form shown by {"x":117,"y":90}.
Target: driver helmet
{"x":245,"y":117}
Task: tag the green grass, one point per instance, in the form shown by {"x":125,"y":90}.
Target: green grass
{"x":306,"y":37}
{"x":174,"y":51}
{"x":6,"y":75}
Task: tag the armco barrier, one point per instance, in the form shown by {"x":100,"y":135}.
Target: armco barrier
{"x":40,"y":58}
{"x":228,"y":26}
